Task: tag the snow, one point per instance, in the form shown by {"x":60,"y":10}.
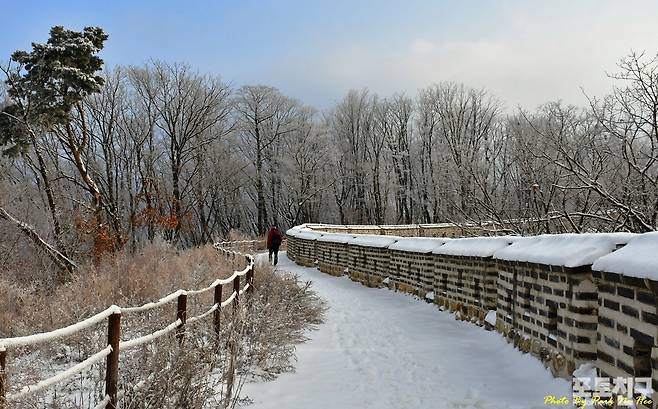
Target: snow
{"x":229,"y":300}
{"x":435,"y":225}
{"x":125,"y":345}
{"x":293,"y":232}
{"x":491,"y":317}
{"x":568,"y":250}
{"x":220,"y":245}
{"x":430,"y":296}
{"x":152,"y":305}
{"x":308,"y":235}
{"x":637,"y":259}
{"x":169,"y":298}
{"x":202,"y":316}
{"x":62,"y":376}
{"x":586,"y":370}
{"x":372,"y":240}
{"x":382,"y":350}
{"x":236,"y":274}
{"x":336,"y":238}
{"x":421,"y":245}
{"x":58,"y":333}
{"x":476,"y":246}
{"x":209,"y":288}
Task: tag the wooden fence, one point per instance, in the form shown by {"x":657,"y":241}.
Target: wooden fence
{"x":115,"y":345}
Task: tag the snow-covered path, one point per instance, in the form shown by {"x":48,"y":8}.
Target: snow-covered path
{"x":381,"y":349}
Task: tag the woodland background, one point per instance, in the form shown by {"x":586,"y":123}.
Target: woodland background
{"x":97,"y":159}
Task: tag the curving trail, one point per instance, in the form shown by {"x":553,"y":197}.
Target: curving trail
{"x":380,"y":349}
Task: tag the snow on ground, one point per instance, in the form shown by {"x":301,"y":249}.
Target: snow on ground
{"x":381,"y":349}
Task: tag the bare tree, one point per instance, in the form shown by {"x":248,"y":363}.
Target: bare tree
{"x":394,"y":124}
{"x":304,"y":171}
{"x":351,"y":125}
{"x":264,"y":116}
{"x":193,"y":111}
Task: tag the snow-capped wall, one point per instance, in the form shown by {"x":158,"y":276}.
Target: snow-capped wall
{"x":337,"y":238}
{"x":567,"y":250}
{"x":373,"y":241}
{"x":421,"y":245}
{"x":577,"y":292}
{"x":638,"y":258}
{"x":476,"y":246}
{"x":307,"y":235}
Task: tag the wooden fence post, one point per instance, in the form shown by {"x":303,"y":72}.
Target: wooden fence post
{"x":3,"y":378}
{"x":250,"y":280}
{"x":181,"y":314}
{"x":236,"y":288}
{"x":217,"y":316}
{"x":112,"y":366}
{"x":232,"y":343}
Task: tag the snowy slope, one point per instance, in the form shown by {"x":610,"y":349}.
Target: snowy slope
{"x":384,"y":350}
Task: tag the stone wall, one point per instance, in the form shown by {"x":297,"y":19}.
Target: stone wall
{"x":414,"y":230}
{"x":333,"y":258}
{"x":369,"y":265}
{"x":490,"y":228}
{"x":627,"y":326}
{"x":411,"y":272}
{"x":551,"y":309}
{"x":466,"y":285}
{"x":564,"y":316}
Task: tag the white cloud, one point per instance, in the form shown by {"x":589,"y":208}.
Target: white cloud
{"x":529,"y":59}
{"x":422,"y":46}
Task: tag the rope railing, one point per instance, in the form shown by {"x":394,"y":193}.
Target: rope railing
{"x":113,"y":316}
{"x":237,"y":242}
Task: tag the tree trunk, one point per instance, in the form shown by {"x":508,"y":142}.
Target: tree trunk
{"x":65,"y":264}
{"x":52,"y":206}
{"x":262,"y":211}
{"x":175,"y":180}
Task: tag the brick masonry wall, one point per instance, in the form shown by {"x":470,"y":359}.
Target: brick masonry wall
{"x":466,"y":285}
{"x":445,"y":230}
{"x":292,"y":247}
{"x":551,"y":309}
{"x":305,"y":252}
{"x":333,"y":258}
{"x":628,"y":327}
{"x":562,"y":316}
{"x":411,"y":272}
{"x":368,"y":265}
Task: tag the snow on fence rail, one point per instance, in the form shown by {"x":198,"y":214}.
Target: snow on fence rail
{"x":113,"y":315}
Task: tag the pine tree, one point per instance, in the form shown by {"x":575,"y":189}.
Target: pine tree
{"x":44,"y":86}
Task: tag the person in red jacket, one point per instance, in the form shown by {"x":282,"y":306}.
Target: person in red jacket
{"x":274,"y":239}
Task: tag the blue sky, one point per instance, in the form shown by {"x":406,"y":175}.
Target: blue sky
{"x":525,"y":52}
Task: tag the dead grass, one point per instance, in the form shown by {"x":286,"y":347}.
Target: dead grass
{"x":195,"y":375}
{"x":123,"y":279}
